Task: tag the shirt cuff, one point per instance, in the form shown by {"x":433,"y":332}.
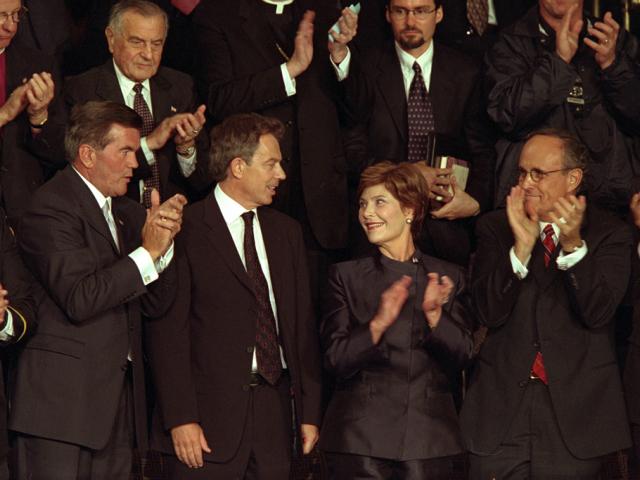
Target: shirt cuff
{"x":567,"y":260}
{"x":342,"y":70}
{"x":146,"y":151}
{"x":289,"y":83}
{"x":163,"y":262}
{"x":7,"y":333}
{"x":520,"y":270}
{"x":142,"y":258}
{"x":187,"y":164}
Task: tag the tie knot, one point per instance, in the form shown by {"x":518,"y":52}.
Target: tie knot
{"x":106,"y":207}
{"x":248,"y":218}
{"x":416,"y":68}
{"x":137,"y":88}
{"x":548,"y":230}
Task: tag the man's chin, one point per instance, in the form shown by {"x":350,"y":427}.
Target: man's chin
{"x":411,"y":44}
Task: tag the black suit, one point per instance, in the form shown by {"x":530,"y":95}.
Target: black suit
{"x":567,"y":315}
{"x":240,"y":72}
{"x":201,"y":351}
{"x":393,"y":400}
{"x":171,"y":92}
{"x":456,"y":31}
{"x":374,"y":94}
{"x":71,"y":373}
{"x":28,"y":160}
{"x":17,"y":280}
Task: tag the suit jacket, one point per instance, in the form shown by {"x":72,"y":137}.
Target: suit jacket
{"x":72,"y":371}
{"x":171,"y":92}
{"x":393,"y":400}
{"x":201,"y":351}
{"x":240,"y":72}
{"x":566,"y":315}
{"x":28,"y":160}
{"x":17,"y":280}
{"x":374,"y":95}
{"x":456,"y":31}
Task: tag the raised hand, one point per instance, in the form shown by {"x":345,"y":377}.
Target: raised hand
{"x":162,"y":224}
{"x":391,"y":302}
{"x":14,"y":105}
{"x":524,"y":224}
{"x":460,"y":205}
{"x":568,"y":34}
{"x":568,"y":214}
{"x":188,"y":127}
{"x":606,"y":32}
{"x":39,"y":95}
{"x":348,"y":25}
{"x":435,"y":296}
{"x":303,"y":46}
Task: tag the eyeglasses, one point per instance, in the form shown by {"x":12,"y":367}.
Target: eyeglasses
{"x":14,"y":16}
{"x":420,"y":13}
{"x":536,"y":174}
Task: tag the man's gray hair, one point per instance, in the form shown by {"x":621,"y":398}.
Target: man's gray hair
{"x":141,"y":7}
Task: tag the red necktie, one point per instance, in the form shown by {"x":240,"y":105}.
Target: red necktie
{"x":185,"y":6}
{"x":420,"y":119}
{"x":548,"y":244}
{"x":549,"y":247}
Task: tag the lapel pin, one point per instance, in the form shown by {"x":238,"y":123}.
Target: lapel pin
{"x":173,"y":109}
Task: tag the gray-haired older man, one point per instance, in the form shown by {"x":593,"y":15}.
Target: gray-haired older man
{"x":171,"y":141}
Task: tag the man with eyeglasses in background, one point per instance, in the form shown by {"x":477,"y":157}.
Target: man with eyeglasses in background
{"x":409,"y":91}
{"x":545,"y":398}
{"x":29,"y":116}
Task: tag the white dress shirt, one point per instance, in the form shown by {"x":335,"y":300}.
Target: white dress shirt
{"x":232,"y":213}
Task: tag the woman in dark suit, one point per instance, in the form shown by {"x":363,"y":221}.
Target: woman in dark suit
{"x":395,"y":327}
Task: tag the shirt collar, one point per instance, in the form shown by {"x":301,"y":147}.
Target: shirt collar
{"x":407,"y":60}
{"x":126,"y":84}
{"x":231,"y":210}
{"x":97,"y":194}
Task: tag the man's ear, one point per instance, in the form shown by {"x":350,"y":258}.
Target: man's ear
{"x":87,"y":155}
{"x":236,"y":167}
{"x":575,"y":178}
{"x":110,"y":34}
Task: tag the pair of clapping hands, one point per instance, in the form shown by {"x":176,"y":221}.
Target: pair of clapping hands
{"x":567,"y":214}
{"x":452,"y":202}
{"x":34,"y":95}
{"x":162,"y":224}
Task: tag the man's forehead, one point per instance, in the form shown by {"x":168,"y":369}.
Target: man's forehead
{"x":412,"y":3}
{"x":149,"y":28}
{"x":542,"y":152}
{"x":9,"y":5}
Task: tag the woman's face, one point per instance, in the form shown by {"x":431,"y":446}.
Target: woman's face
{"x":383,"y":219}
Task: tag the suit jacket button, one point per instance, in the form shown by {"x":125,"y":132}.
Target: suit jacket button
{"x":249,"y":349}
{"x":536,"y":345}
{"x":523,"y":383}
{"x":124,"y":367}
{"x":245,"y":388}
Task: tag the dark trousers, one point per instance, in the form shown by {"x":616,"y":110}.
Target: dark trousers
{"x":265,"y":448}
{"x":359,"y":467}
{"x":44,"y":459}
{"x":533,"y":448}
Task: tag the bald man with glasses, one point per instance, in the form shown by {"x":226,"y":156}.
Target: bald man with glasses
{"x":545,"y":399}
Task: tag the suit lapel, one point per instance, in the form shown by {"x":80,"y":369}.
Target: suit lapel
{"x":108,"y":87}
{"x":391,"y":86}
{"x":257,"y":30}
{"x":92,"y":213}
{"x":218,"y":234}
{"x":441,"y":88}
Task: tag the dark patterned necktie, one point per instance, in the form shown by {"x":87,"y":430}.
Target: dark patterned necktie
{"x":142,"y":109}
{"x":267,"y":349}
{"x":420,"y":119}
{"x":478,"y":14}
